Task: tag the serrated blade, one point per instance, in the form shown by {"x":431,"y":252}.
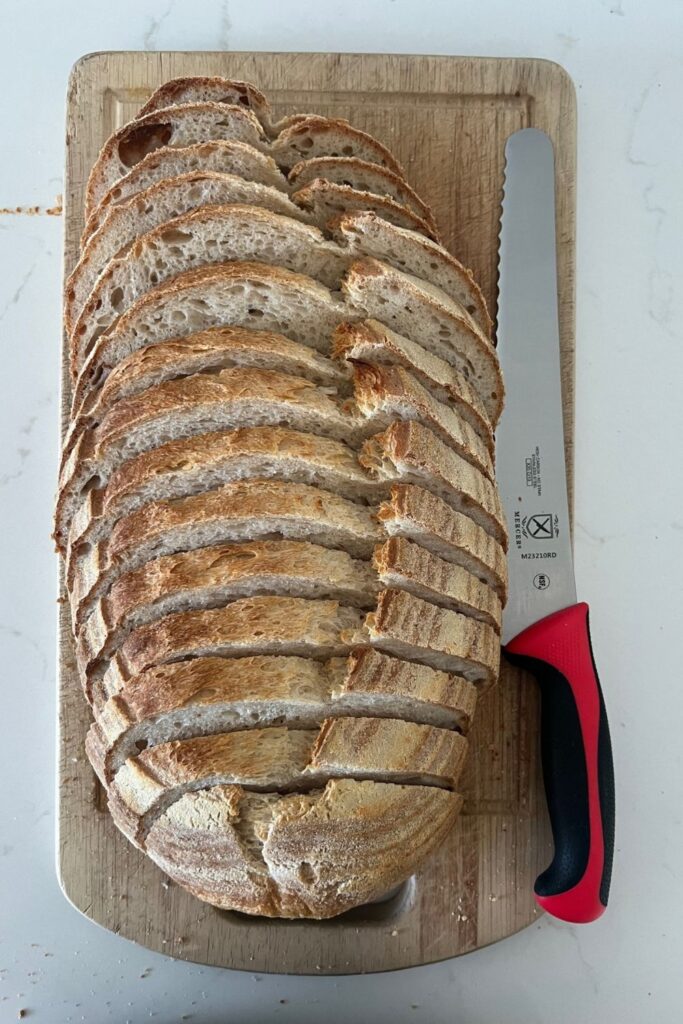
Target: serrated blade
{"x":530,"y":458}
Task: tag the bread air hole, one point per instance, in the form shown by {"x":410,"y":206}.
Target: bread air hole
{"x":139,"y":141}
{"x":173,"y":235}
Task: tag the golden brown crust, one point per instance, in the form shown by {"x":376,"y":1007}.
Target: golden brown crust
{"x":360,"y":174}
{"x":205,"y":88}
{"x":425,"y":313}
{"x":415,"y":513}
{"x":209,"y":695}
{"x":455,"y":643}
{"x":280,"y":759}
{"x":370,"y":342}
{"x":169,"y":126}
{"x":291,"y":145}
{"x":367,"y":234}
{"x":326,"y":200}
{"x":317,"y":854}
{"x":410,"y":452}
{"x":396,"y":393}
{"x":192,"y":286}
{"x":402,"y":563}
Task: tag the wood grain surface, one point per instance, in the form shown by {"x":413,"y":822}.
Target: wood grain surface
{"x":446,"y":119}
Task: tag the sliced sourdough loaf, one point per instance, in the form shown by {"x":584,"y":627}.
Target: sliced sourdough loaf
{"x":364,"y":177}
{"x":156,"y":206}
{"x":312,"y":136}
{"x":409,"y":452}
{"x":282,"y":759}
{"x":244,"y":510}
{"x":250,"y":295}
{"x":424,"y":313}
{"x":212,"y":695}
{"x":366,"y":234}
{"x":417,"y":514}
{"x":196,"y":464}
{"x":310,"y":855}
{"x":206,"y":89}
{"x":369,"y":341}
{"x":174,"y":127}
{"x":212,"y":577}
{"x":401,"y":563}
{"x":220,"y":156}
{"x":326,"y":200}
{"x":408,"y":627}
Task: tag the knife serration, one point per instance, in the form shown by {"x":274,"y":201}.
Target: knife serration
{"x":530,"y":455}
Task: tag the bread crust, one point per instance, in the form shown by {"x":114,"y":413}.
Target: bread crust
{"x":168,"y":126}
{"x":360,"y":174}
{"x":321,"y":854}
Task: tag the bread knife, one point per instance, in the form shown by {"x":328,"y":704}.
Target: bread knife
{"x":545,"y":630}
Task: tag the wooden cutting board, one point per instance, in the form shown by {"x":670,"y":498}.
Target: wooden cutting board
{"x":446,"y":119}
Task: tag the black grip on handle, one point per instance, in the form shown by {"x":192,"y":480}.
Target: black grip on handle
{"x":564,"y":777}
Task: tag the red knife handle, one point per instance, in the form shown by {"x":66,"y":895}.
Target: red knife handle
{"x":577,"y":763}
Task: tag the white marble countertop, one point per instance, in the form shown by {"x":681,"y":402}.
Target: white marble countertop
{"x":626,"y":59}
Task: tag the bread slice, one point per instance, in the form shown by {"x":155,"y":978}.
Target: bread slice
{"x":219,"y":156}
{"x":282,"y":759}
{"x":249,"y":295}
{"x":256,"y":625}
{"x":326,"y":200}
{"x":366,"y":234}
{"x":200,"y":237}
{"x":384,"y":394}
{"x":197,"y":464}
{"x":421,"y":516}
{"x":209,"y":351}
{"x":409,"y":452}
{"x":407,"y":627}
{"x":157,"y":205}
{"x":213,"y":695}
{"x":195,"y":405}
{"x":174,"y":127}
{"x":212,"y":577}
{"x":369,"y":341}
{"x":244,"y":510}
{"x":364,"y":177}
{"x":423,"y":313}
{"x":204,"y":89}
{"x":401,"y":563}
{"x":313,"y":136}
{"x":310,"y":855}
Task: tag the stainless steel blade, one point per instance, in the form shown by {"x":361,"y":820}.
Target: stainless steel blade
{"x":530,"y":460}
